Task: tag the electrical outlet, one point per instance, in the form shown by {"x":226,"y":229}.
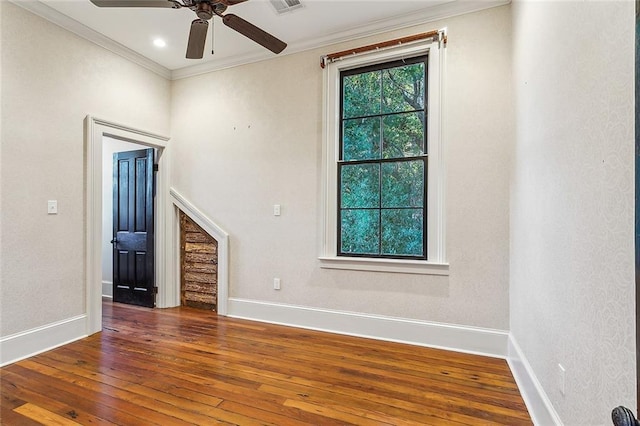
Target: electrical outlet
{"x":276,"y":283}
{"x":561,"y":378}
{"x":276,"y":209}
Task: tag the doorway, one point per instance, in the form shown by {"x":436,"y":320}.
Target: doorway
{"x":167,"y":242}
{"x":130,"y":267}
{"x":95,"y":131}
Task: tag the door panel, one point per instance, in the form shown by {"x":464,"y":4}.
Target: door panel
{"x":133,"y":224}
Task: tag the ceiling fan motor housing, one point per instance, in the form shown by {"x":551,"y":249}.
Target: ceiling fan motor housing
{"x":204,"y":11}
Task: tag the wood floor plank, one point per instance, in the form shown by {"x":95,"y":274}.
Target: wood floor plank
{"x":332,"y":413}
{"x":96,"y":400}
{"x":10,"y":417}
{"x":187,"y":366}
{"x":180,"y":408}
{"x":256,"y":373}
{"x":43,"y":416}
{"x":498,"y":383}
{"x":407,"y":411}
{"x":471,"y":394}
{"x":11,"y":399}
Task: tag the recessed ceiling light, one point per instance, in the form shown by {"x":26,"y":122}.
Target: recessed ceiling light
{"x":159,"y":42}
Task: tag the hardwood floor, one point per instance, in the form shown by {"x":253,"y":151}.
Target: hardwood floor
{"x":185,"y":366}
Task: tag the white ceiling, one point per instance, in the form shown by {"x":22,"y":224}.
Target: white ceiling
{"x":131,"y":31}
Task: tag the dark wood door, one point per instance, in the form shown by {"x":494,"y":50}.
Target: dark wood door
{"x":133,"y":237}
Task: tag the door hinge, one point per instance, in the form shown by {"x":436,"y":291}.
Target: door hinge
{"x":155,"y":167}
{"x":155,"y":290}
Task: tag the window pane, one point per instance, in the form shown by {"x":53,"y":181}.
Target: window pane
{"x":361,"y":139}
{"x":402,"y":232}
{"x":403,"y":184}
{"x":360,"y":185}
{"x":360,"y":232}
{"x":403,"y":135}
{"x":382,"y":168}
{"x":403,"y":88}
{"x":361,"y":95}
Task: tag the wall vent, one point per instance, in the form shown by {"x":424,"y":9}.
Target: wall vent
{"x":283,"y":6}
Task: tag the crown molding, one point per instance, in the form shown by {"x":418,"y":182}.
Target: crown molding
{"x":441,"y":11}
{"x":217,"y":65}
{"x":435,"y":13}
{"x":39,"y":8}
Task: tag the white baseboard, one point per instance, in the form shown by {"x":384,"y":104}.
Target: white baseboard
{"x":107,"y":289}
{"x":474,"y":340}
{"x":538,"y":403}
{"x":28,"y":343}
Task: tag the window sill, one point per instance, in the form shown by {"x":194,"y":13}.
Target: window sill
{"x":384,"y":265}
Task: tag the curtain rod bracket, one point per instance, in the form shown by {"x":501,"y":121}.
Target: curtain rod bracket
{"x":441,"y":38}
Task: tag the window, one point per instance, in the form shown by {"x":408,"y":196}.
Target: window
{"x":383,"y":161}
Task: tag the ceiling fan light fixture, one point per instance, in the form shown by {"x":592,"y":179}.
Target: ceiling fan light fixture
{"x":284,"y":6}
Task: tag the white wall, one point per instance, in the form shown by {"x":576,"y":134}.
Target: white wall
{"x":109,"y":147}
{"x":51,"y":79}
{"x":552,"y":213}
{"x":572,"y":203}
{"x":251,"y":137}
{"x":1,"y":145}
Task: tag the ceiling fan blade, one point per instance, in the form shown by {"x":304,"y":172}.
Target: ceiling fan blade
{"x":249,"y":30}
{"x":231,"y":2}
{"x":135,"y":3}
{"x":197,"y":39}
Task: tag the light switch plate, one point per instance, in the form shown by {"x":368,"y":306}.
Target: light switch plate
{"x":52,"y":207}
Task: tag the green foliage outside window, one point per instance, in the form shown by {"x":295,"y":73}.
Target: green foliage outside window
{"x":382,"y":168}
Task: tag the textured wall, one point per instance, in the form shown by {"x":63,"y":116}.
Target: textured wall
{"x":572,"y":253}
{"x":251,"y":136}
{"x":51,"y":79}
{"x":1,"y":144}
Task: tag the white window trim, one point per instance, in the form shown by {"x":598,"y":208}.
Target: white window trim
{"x":436,"y":263}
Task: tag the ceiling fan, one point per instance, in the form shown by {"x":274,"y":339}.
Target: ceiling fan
{"x":205,"y":9}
